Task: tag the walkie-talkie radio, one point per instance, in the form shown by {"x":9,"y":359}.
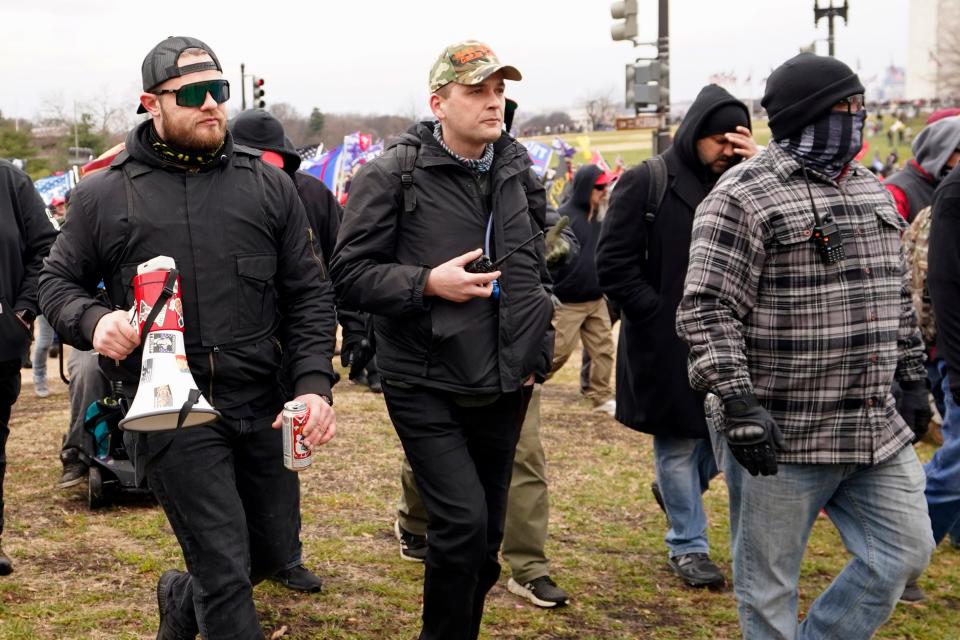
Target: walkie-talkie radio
{"x":484,"y":264}
{"x":829,"y":241}
{"x":826,"y":234}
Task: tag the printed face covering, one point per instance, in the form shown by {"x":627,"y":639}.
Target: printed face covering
{"x":828,"y":144}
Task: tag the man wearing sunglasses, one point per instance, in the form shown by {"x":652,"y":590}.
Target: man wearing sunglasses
{"x":798,"y":315}
{"x":254,"y":297}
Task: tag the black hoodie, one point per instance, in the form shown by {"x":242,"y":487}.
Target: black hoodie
{"x":252,"y":291}
{"x":641,"y":267}
{"x":578,"y":282}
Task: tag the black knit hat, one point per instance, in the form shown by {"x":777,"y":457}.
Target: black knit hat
{"x":803,"y":89}
{"x":259,"y":129}
{"x":724,"y":119}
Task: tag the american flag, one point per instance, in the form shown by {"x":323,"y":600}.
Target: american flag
{"x":311,"y":152}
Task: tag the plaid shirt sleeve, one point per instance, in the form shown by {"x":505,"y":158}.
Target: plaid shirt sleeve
{"x":726,"y":259}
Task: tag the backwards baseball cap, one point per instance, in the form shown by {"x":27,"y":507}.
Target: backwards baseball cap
{"x":469,"y":63}
{"x":161,"y":63}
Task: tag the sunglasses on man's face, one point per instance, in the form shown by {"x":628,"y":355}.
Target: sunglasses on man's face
{"x":195,"y":94}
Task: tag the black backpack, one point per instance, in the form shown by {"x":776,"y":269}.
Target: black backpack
{"x":657,"y":189}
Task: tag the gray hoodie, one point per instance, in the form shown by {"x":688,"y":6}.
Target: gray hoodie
{"x":919,"y":179}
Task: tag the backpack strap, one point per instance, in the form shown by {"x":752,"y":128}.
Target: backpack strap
{"x":407,"y":157}
{"x":657,"y":188}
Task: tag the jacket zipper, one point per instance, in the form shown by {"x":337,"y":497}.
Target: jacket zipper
{"x":213,"y":370}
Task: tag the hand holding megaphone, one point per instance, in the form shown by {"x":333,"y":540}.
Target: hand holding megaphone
{"x":114,"y":336}
{"x":321,"y":425}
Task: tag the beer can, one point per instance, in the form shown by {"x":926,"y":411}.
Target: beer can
{"x":297,"y":456}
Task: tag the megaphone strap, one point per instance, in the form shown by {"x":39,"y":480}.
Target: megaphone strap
{"x":192,"y":397}
{"x":168,"y":284}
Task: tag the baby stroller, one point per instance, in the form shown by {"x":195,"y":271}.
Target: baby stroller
{"x":111,"y":471}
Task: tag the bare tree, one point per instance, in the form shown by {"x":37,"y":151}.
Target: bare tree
{"x":601,"y":108}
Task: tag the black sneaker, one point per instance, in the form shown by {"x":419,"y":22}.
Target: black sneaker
{"x":412,"y":546}
{"x":74,"y":469}
{"x":697,"y":570}
{"x":376,"y":385}
{"x":299,"y":578}
{"x":164,"y":632}
{"x":6,"y":566}
{"x":655,"y":488}
{"x":542,"y":591}
{"x":912,"y":593}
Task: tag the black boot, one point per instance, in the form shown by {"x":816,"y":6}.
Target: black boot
{"x":6,"y":567}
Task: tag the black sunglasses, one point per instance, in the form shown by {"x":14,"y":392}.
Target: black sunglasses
{"x":195,"y":94}
{"x":600,"y":187}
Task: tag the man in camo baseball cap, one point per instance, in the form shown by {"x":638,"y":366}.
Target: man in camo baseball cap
{"x":469,"y":62}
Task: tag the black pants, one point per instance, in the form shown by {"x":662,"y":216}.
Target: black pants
{"x":9,"y":390}
{"x":233,"y":507}
{"x":461,"y":459}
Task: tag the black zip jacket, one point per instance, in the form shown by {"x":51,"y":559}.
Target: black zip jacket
{"x":384,"y":255}
{"x":943,"y":275}
{"x":251,"y":286}
{"x":26,"y":235}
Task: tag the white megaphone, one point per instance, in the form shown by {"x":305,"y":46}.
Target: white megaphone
{"x":167,"y":397}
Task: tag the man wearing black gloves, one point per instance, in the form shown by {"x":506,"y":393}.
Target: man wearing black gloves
{"x":641,"y":262}
{"x":943,"y":471}
{"x":25,"y":238}
{"x":458,"y":349}
{"x":252,"y":292}
{"x":798,"y":315}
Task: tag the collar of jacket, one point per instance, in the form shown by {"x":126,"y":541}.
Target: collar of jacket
{"x":509,"y":156}
{"x":136,"y":148}
{"x":685,"y":183}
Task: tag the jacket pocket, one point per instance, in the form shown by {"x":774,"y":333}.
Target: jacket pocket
{"x":13,"y":335}
{"x":256,"y":298}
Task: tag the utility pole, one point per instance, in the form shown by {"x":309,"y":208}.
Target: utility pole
{"x":829,"y":12}
{"x":662,"y":140}
{"x":243,"y":88}
{"x":647,"y":80}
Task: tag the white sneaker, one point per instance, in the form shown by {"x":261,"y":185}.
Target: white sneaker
{"x":41,"y":390}
{"x":609,"y":407}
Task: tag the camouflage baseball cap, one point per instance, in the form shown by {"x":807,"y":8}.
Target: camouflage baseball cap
{"x":468,"y":62}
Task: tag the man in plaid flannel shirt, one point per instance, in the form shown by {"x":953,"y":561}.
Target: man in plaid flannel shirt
{"x":799,"y":319}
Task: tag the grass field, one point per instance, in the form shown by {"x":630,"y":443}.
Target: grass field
{"x":634,"y":146}
{"x":82,"y":574}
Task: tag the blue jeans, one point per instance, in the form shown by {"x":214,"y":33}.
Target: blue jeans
{"x":685,"y":467}
{"x":41,"y":350}
{"x":943,"y":471}
{"x":882,"y":518}
{"x":233,"y":507}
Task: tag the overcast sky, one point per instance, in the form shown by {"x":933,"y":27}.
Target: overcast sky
{"x":372,"y":56}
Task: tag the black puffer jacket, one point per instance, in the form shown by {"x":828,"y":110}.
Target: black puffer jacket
{"x":384,"y":255}
{"x":251,"y":287}
{"x":653,"y":389}
{"x":26,"y":235}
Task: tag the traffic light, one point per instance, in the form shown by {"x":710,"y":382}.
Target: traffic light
{"x":626,"y":11}
{"x":258,"y":92}
{"x":646,"y":85}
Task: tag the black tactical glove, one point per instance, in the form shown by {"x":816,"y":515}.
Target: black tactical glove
{"x":914,"y":405}
{"x":356,"y":354}
{"x":752,"y":435}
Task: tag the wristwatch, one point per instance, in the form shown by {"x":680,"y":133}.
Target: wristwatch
{"x":327,"y":400}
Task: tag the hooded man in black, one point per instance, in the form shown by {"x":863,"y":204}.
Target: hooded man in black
{"x":641,"y":267}
{"x":583,"y":311}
